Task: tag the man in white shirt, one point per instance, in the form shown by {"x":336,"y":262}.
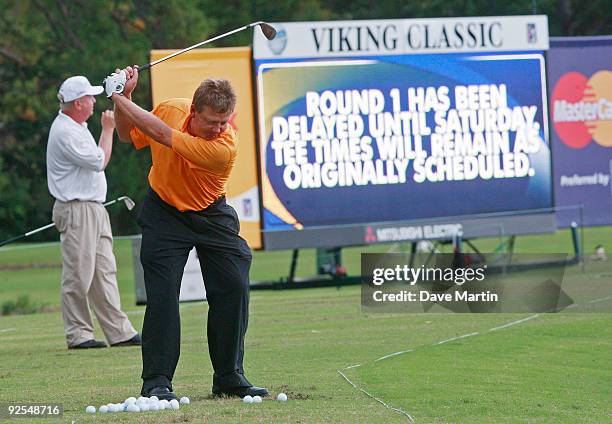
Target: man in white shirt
{"x":75,"y":176}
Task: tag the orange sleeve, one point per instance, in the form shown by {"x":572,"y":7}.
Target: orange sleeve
{"x":208,"y":155}
{"x":139,"y":138}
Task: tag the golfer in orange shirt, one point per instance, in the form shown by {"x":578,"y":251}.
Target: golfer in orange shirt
{"x":193,"y":152}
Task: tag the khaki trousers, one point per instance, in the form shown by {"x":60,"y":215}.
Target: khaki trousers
{"x":89,"y":273}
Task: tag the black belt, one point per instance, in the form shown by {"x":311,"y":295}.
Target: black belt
{"x":154,"y":196}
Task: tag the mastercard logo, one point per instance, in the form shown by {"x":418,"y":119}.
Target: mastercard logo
{"x":582,"y":109}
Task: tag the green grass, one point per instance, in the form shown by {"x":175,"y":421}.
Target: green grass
{"x":551,"y":369}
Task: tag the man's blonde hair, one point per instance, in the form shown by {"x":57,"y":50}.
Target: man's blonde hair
{"x":218,"y":94}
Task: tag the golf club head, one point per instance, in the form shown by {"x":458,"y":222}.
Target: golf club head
{"x":129,"y":203}
{"x":268,"y":30}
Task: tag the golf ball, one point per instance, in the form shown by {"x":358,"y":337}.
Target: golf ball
{"x":154,"y":406}
{"x":90,"y":409}
{"x":174,"y":404}
{"x":132,"y":407}
{"x":257,"y":399}
{"x":247,"y":399}
{"x":103,"y":409}
{"x":131,"y":399}
{"x":282,"y":397}
{"x":153,"y":398}
{"x":184,"y":400}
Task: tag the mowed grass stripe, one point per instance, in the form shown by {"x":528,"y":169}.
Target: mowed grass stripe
{"x":554,"y":369}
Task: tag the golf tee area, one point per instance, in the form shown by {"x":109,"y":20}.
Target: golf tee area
{"x":336,"y":363}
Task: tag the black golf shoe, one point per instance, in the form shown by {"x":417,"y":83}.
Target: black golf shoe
{"x":162,"y":392}
{"x":240,"y":391}
{"x":89,"y":344}
{"x":134,"y":341}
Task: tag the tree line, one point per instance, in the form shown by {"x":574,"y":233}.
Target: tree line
{"x":45,"y":41}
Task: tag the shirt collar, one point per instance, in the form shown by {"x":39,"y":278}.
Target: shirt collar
{"x":69,"y":120}
{"x":185,"y":125}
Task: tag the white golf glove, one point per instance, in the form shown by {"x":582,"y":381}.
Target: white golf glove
{"x":114,"y":83}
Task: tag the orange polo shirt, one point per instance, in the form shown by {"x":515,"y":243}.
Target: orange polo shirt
{"x":194,"y":172}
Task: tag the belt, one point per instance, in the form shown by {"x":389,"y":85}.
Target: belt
{"x":154,"y":196}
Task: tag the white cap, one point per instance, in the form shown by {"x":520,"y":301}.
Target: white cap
{"x":75,"y":87}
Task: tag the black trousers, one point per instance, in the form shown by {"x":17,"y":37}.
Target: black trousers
{"x":168,"y":235}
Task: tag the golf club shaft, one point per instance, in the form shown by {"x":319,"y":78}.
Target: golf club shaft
{"x":201,"y":43}
{"x":28,"y":234}
{"x":38,"y":230}
{"x":12,"y":239}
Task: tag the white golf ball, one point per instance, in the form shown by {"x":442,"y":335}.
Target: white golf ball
{"x":163,"y":404}
{"x":142,"y":399}
{"x":184,"y":400}
{"x":247,"y":399}
{"x":154,"y":406}
{"x":132,"y":407}
{"x":257,"y":399}
{"x":131,"y":399}
{"x":90,"y":409}
{"x":153,"y":398}
{"x":282,"y":397}
{"x":174,"y":404}
{"x":103,"y":409}
{"x":144,"y":407}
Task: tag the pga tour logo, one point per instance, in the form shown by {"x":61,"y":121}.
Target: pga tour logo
{"x":532,"y":33}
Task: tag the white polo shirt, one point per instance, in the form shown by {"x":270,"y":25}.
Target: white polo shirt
{"x":75,"y":163}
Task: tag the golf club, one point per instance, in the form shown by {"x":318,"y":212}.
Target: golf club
{"x":129,"y":204}
{"x":268,"y":31}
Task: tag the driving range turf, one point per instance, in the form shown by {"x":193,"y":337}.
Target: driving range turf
{"x":550,"y":368}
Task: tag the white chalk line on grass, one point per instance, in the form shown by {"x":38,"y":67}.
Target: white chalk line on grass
{"x":412,"y":350}
{"x":6,"y":330}
{"x":603,"y":299}
{"x":386,"y":405}
{"x":507,"y":325}
{"x":518,"y":321}
{"x":458,"y":337}
{"x":393,"y":354}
